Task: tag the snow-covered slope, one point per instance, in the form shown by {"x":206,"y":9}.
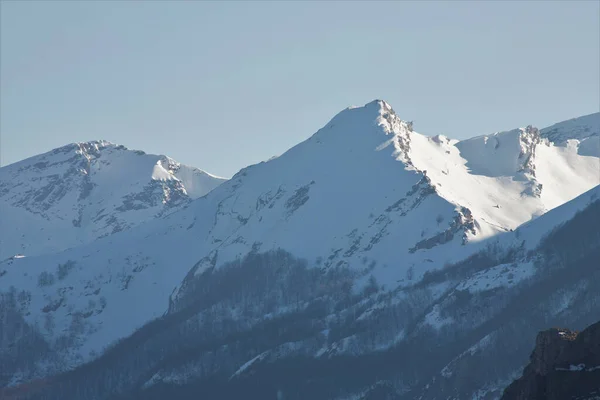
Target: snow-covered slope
{"x":367,"y":184}
{"x":82,"y":191}
{"x":463,"y":332}
{"x":365,"y":193}
{"x":508,"y":177}
{"x":583,"y":133}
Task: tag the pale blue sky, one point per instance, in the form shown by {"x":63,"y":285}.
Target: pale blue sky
{"x":220,"y":85}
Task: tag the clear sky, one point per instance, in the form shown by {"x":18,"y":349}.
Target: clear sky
{"x":220,"y":85}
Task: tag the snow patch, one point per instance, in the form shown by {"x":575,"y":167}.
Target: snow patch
{"x":503,"y":275}
{"x":436,"y":320}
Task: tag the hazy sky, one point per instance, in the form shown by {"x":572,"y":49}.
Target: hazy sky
{"x":220,"y":85}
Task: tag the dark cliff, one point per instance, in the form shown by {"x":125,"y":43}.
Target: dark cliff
{"x":564,"y":365}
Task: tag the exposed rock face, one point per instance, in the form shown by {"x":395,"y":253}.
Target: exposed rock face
{"x":564,"y":365}
{"x":529,"y":139}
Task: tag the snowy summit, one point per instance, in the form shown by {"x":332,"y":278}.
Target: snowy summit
{"x":374,"y":211}
{"x":80,"y":192}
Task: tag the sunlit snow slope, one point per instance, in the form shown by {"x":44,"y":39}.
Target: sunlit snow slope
{"x":509,"y":177}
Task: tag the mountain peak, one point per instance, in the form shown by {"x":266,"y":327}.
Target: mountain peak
{"x":374,"y":104}
{"x":374,"y":113}
{"x":366,"y":221}
{"x":91,"y":146}
{"x":372,"y":109}
{"x":379,"y":104}
{"x":97,"y":187}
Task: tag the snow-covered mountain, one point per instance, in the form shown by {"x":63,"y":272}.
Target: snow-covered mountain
{"x":77,"y":193}
{"x":358,"y":218}
{"x":582,"y":132}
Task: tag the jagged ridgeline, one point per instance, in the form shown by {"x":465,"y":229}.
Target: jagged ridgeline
{"x":368,"y":261}
{"x":80,"y":192}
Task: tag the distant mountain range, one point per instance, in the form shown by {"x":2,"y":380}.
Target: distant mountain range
{"x":368,"y":262}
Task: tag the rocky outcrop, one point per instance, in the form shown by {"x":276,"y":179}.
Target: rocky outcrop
{"x":564,"y":365}
{"x":392,"y":124}
{"x":463,"y":223}
{"x":528,"y":140}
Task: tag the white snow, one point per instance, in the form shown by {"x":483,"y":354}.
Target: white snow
{"x":159,"y":173}
{"x":483,"y":174}
{"x":77,"y":193}
{"x":247,"y":364}
{"x":589,"y":147}
{"x":435,"y":319}
{"x":493,"y":155}
{"x":530,"y":233}
{"x":503,"y":275}
{"x":578,"y":367}
{"x":277,"y":352}
{"x":480,"y":345}
{"x":354,"y":191}
{"x":579,"y":128}
{"x":197,"y":183}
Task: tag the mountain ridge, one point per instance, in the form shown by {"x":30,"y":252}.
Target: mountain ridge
{"x":96,"y":187}
{"x":178,"y":379}
{"x":366,"y":199}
